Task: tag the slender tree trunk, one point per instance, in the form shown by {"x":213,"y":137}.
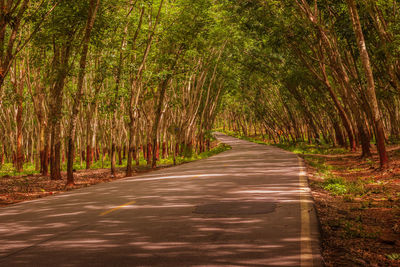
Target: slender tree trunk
{"x":338,"y":133}
{"x":91,"y":129}
{"x":55,"y":117}
{"x":17,"y":81}
{"x":117,"y":85}
{"x":163,"y":90}
{"x":19,"y":160}
{"x":119,"y":155}
{"x":44,"y":154}
{"x":136,"y":90}
{"x":370,"y":89}
{"x":8,"y":54}
{"x":93,"y":6}
{"x":149,"y":152}
{"x":342,"y":113}
{"x":164,"y":150}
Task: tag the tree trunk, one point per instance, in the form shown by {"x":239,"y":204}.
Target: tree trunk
{"x":163,"y":89}
{"x":19,"y":156}
{"x":370,"y":89}
{"x":342,"y":113}
{"x":44,"y":154}
{"x":93,"y":6}
{"x":338,"y":133}
{"x":136,"y":89}
{"x":119,"y":155}
{"x":91,"y":129}
{"x":149,"y":152}
{"x":8,"y":55}
{"x":164,"y":150}
{"x":116,"y":97}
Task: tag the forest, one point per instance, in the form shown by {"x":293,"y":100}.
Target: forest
{"x":81,"y":79}
{"x":130,"y":82}
{"x":320,"y":71}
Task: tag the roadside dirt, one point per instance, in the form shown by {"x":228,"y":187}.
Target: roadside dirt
{"x":18,"y":189}
{"x":362,"y":226}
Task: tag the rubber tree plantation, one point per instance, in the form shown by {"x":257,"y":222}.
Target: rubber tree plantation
{"x":123,"y":84}
{"x":80,"y":81}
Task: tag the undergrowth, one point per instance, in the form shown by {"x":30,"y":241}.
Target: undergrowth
{"x":305,"y":148}
{"x":298,"y":147}
{"x":8,"y":169}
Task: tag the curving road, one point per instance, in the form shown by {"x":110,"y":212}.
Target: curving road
{"x":249,"y":206}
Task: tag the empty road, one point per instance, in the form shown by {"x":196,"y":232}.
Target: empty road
{"x":249,"y":206}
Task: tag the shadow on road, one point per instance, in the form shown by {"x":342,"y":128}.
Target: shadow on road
{"x":238,"y":208}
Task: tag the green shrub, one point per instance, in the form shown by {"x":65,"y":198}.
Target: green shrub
{"x":336,"y":189}
{"x":335,"y":185}
{"x":8,"y":169}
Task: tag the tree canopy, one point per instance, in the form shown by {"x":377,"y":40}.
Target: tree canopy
{"x":80,"y":80}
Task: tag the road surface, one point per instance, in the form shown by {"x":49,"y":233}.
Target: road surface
{"x":249,"y":206}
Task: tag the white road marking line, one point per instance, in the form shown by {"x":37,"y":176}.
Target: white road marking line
{"x":306,"y":257}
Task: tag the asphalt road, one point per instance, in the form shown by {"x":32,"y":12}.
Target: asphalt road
{"x":249,"y":206}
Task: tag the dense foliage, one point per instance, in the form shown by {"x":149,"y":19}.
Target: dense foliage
{"x":99,"y":79}
{"x":83,"y":80}
{"x":317,"y":71}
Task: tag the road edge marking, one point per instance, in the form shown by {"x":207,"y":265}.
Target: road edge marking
{"x":306,"y":253}
{"x":116,"y":208}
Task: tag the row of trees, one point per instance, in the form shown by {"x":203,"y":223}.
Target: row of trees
{"x":125,"y":76}
{"x":318,"y":70}
{"x":81,"y":78}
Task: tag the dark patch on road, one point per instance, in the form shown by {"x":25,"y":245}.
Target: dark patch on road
{"x":236,"y":208}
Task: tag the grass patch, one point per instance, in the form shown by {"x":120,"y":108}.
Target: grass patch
{"x":336,"y":185}
{"x":218,"y":149}
{"x":305,"y":148}
{"x":339,"y":186}
{"x":8,"y":169}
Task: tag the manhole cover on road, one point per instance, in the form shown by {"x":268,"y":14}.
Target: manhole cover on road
{"x":236,"y":208}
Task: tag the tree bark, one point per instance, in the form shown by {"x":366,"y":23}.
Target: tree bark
{"x":93,"y":6}
{"x":370,"y":89}
{"x":116,"y":90}
{"x":7,"y":56}
{"x":61,"y":58}
{"x":163,"y":89}
{"x":19,"y":156}
{"x":136,"y":88}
